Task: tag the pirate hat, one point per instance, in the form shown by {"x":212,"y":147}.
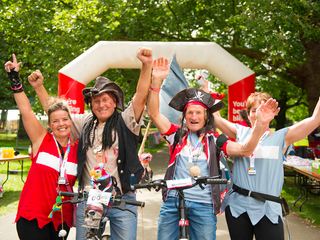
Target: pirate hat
{"x":104,"y":85}
{"x":182,"y":98}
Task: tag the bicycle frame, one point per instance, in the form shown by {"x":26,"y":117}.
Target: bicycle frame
{"x":198,"y":180}
{"x":183,"y":221}
{"x":118,"y":200}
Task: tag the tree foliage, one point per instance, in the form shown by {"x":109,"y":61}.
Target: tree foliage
{"x":278,"y":40}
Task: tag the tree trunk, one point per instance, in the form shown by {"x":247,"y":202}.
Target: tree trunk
{"x":312,"y":69}
{"x":309,"y":73}
{"x":22,"y":134}
{"x":281,"y":117}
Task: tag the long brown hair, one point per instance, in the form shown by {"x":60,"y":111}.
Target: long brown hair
{"x":244,"y":115}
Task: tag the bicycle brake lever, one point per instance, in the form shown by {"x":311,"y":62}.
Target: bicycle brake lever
{"x":161,"y":183}
{"x":157,"y":188}
{"x":125,"y":209}
{"x":122,"y":207}
{"x":201,"y":186}
{"x":69,"y":201}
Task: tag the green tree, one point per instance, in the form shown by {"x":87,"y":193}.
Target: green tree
{"x":47,"y":35}
{"x":278,"y":40}
{"x":273,"y":38}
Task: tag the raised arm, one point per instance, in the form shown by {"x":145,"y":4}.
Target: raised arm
{"x":304,"y":128}
{"x":34,"y":129}
{"x":36,"y":81}
{"x":145,"y":56}
{"x":265,"y":113}
{"x":161,"y":70}
{"x":226,"y":127}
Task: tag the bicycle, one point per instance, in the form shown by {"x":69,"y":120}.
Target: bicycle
{"x":313,"y":152}
{"x":179,"y":186}
{"x":117,"y":201}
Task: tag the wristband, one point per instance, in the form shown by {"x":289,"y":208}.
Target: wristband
{"x":222,"y":142}
{"x":15,"y":81}
{"x":155,"y":89}
{"x":224,"y":147}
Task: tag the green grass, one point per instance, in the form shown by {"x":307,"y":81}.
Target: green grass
{"x":9,"y":140}
{"x":310,"y":210}
{"x":9,"y":201}
{"x":13,"y":186}
{"x":8,"y":136}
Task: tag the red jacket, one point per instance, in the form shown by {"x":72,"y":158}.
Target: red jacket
{"x":39,"y":192}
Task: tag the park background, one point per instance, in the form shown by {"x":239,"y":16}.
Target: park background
{"x":279,"y":40}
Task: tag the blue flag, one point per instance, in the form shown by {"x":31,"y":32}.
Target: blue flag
{"x":172,"y":84}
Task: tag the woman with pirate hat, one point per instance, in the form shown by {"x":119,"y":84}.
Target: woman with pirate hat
{"x":196,"y":146}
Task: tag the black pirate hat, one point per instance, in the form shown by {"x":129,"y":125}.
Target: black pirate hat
{"x":182,"y":98}
{"x":104,"y":85}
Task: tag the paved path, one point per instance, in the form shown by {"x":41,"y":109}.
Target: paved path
{"x":148,"y":217}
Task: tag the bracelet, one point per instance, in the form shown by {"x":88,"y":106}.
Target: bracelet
{"x":155,"y":89}
{"x":14,"y":89}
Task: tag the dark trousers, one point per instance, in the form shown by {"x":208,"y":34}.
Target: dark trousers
{"x":241,"y":228}
{"x":29,"y":230}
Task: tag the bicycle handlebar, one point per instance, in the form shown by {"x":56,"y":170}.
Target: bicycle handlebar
{"x":153,"y":184}
{"x":78,"y":197}
{"x":198,"y":180}
{"x":133,"y":202}
{"x":217,"y":181}
{"x":67,"y":194}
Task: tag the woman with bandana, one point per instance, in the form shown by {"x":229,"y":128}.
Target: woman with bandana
{"x":196,"y":146}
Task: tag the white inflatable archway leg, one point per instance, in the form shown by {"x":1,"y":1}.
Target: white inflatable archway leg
{"x":194,"y":55}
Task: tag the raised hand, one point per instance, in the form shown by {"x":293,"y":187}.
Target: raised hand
{"x":161,"y":70}
{"x":35,"y":79}
{"x":144,"y":54}
{"x":205,"y":85}
{"x":12,"y":69}
{"x":8,"y":66}
{"x":267,"y":111}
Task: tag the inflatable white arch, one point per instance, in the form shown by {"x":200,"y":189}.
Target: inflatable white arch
{"x":194,"y":55}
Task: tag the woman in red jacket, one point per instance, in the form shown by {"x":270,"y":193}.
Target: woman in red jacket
{"x":54,"y":166}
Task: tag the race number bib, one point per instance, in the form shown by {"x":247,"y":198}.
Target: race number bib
{"x":96,"y":196}
{"x":176,"y":183}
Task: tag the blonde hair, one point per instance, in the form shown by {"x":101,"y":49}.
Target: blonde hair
{"x":55,"y":104}
{"x":257,"y":96}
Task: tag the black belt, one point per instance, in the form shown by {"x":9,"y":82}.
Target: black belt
{"x":259,"y":196}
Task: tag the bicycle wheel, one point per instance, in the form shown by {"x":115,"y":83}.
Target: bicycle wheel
{"x":91,"y":235}
{"x":286,"y":229}
{"x":92,"y":238}
{"x":106,"y":237}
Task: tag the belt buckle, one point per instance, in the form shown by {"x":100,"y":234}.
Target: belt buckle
{"x":249,"y":193}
